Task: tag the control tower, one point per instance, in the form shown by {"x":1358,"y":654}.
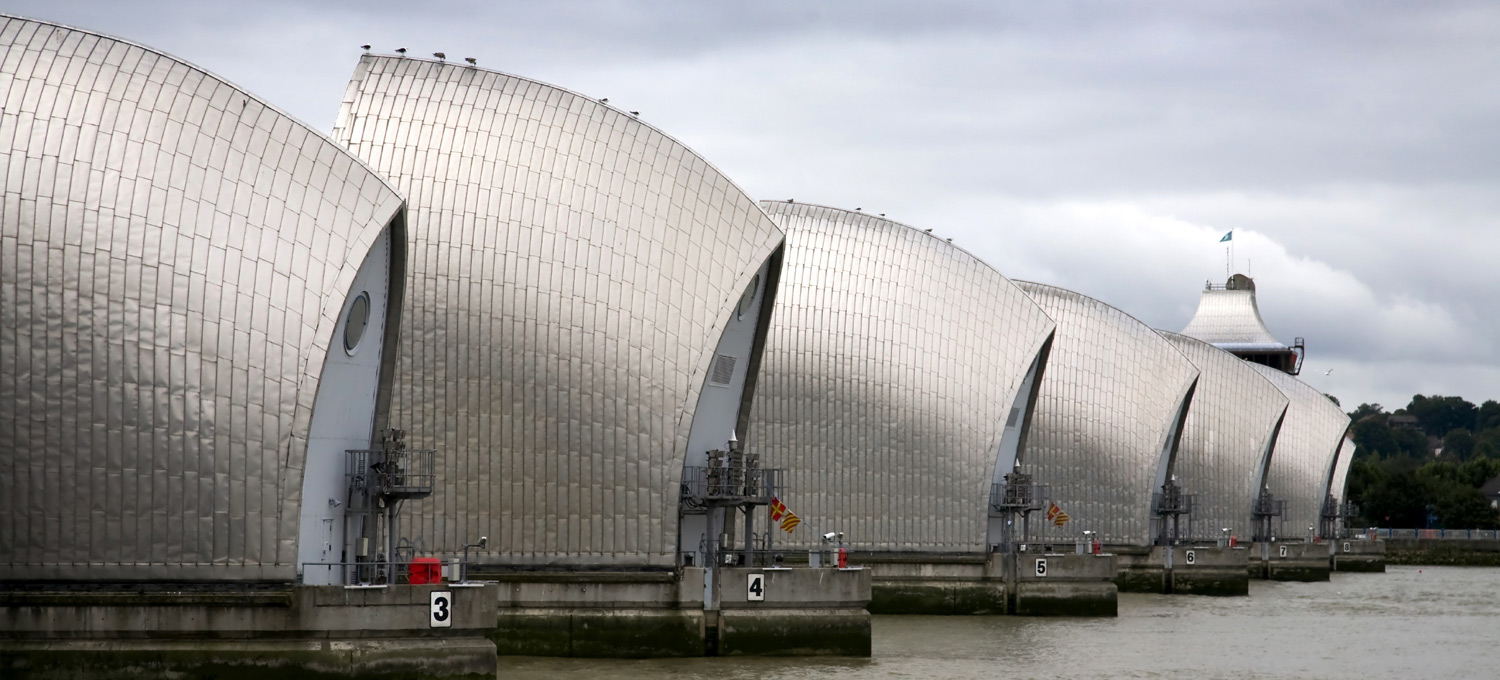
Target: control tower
{"x":1229,"y":319}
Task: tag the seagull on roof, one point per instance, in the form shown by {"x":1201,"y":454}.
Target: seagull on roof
{"x":790,"y":201}
{"x":365,"y":47}
{"x":401,"y":51}
{"x":604,"y":100}
{"x":635,"y":113}
{"x":440,"y":56}
{"x":472,"y":61}
{"x":950,"y":240}
{"x":859,"y":210}
{"x":927,"y":231}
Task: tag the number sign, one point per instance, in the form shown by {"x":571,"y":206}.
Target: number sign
{"x":757,"y":587}
{"x":440,"y":606}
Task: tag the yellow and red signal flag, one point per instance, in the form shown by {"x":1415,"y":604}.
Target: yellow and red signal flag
{"x":1056,"y":515}
{"x":779,"y":513}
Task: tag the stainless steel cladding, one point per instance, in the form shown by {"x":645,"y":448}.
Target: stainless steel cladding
{"x":1229,"y":318}
{"x":572,"y":272}
{"x":892,"y":364}
{"x":175,"y":256}
{"x":1107,"y":418}
{"x":1338,"y":483}
{"x":1310,"y":437}
{"x":1226,"y":439}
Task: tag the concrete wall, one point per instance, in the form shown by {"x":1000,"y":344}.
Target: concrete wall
{"x":1351,"y":554}
{"x":1053,"y":584}
{"x":315,"y":629}
{"x":935,"y":585}
{"x":1476,"y":553}
{"x":1212,"y":570}
{"x":1289,"y":561}
{"x":806,"y":612}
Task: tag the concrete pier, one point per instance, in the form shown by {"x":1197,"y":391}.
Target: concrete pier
{"x":329,"y":630}
{"x":1289,"y":561}
{"x":804,"y":612}
{"x":1184,"y":570}
{"x":1063,"y":584}
{"x":1358,"y":555}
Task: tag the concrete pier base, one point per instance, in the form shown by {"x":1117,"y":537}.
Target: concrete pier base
{"x":1194,"y":570}
{"x":805,"y":612}
{"x":1289,"y":561}
{"x":1052,"y":584}
{"x":1064,"y":585}
{"x":326,"y":630}
{"x":1358,"y":555}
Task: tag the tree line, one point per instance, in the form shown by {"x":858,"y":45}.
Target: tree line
{"x":1422,"y":466}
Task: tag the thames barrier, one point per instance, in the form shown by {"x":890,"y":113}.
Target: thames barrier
{"x":494,"y":368}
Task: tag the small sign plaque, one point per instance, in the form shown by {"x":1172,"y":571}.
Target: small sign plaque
{"x":440,"y":607}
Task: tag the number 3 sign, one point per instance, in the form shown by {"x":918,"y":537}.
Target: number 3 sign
{"x":441,"y":608}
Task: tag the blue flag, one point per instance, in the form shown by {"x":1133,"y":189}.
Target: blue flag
{"x":1228,"y":237}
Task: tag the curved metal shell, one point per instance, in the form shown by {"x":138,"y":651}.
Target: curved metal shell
{"x":1226,"y":439}
{"x":572,"y":272}
{"x":1229,"y":318}
{"x":1107,"y":418}
{"x":891,"y":366}
{"x":174,"y":258}
{"x":1304,"y":454}
{"x":1338,"y":483}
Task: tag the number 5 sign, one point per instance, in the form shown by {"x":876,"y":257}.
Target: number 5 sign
{"x":440,"y":607}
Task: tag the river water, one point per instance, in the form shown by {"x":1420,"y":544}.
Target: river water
{"x":1411,"y":623}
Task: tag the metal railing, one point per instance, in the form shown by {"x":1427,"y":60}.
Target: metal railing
{"x":702,"y":484}
{"x":405,"y":473}
{"x":1017,"y":494}
{"x":373,"y":573}
{"x":1437,"y":534}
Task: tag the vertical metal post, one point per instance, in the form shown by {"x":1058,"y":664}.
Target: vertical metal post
{"x":711,"y":550}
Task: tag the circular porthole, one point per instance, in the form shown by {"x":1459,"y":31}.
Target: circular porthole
{"x":358,"y":319}
{"x":747,"y":298}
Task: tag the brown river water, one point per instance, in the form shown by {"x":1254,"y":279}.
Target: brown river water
{"x":1411,"y":623}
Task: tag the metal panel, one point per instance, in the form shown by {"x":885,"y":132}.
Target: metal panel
{"x":1230,"y":429}
{"x":1338,"y":486}
{"x":891,"y":365}
{"x":166,"y":312}
{"x":1310,"y":438}
{"x":1229,"y":318}
{"x":1105,"y":415}
{"x":572,"y":272}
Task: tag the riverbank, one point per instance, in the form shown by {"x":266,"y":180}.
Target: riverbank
{"x":1442,"y":552}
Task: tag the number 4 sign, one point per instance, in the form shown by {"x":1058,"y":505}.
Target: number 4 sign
{"x":441,"y":609}
{"x":756,"y":588}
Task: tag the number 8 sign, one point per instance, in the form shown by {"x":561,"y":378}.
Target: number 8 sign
{"x":440,"y":605}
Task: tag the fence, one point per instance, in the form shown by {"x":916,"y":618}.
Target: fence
{"x":1440,"y":534}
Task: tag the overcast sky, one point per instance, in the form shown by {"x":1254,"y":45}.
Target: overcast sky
{"x":1353,"y":147}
